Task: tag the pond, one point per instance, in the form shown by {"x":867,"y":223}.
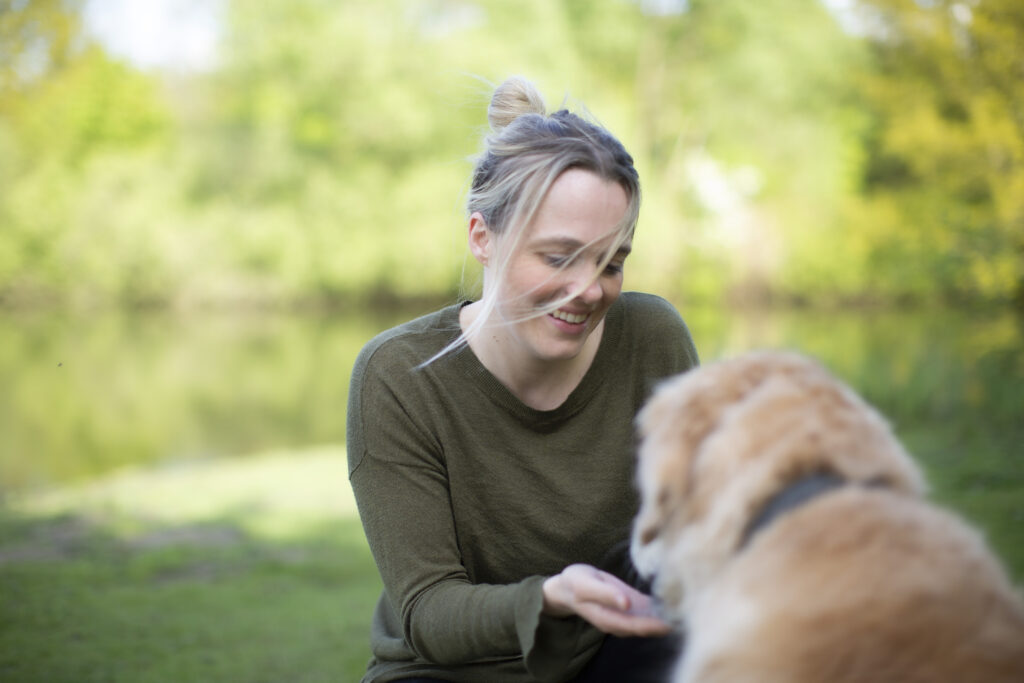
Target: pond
{"x":86,"y":394}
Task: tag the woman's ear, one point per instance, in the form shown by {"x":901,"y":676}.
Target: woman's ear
{"x":481,"y":238}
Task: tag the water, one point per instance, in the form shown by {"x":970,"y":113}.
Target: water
{"x":83,"y":395}
{"x":87,"y":394}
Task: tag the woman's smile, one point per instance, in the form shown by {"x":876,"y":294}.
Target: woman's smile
{"x":571,"y":318}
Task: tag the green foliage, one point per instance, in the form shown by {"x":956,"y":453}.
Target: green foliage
{"x":749,"y":126}
{"x":325,"y":156}
{"x":77,"y":141}
{"x":114,"y":107}
{"x":37,"y":37}
{"x":945,"y":90}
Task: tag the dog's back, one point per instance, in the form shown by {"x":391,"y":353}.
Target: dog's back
{"x":861,"y":580}
{"x":860,"y":586}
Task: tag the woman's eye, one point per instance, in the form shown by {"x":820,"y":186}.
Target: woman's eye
{"x":557,"y":260}
{"x":567,"y":260}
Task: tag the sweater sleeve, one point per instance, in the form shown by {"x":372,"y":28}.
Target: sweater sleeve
{"x":398,"y":474}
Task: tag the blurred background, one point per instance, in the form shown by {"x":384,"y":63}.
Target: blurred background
{"x":207,"y":207}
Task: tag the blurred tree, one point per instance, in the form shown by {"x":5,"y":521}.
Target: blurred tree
{"x":37,"y":37}
{"x":748,"y":122}
{"x":325,"y":155}
{"x":63,"y":104}
{"x":92,"y":104}
{"x":339,"y":124}
{"x":946,"y":149}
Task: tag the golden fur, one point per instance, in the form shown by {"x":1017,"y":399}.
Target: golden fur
{"x":864,"y":583}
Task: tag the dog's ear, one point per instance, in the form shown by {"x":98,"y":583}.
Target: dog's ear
{"x":671,"y":427}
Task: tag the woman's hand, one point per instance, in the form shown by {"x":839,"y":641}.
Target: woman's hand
{"x":608,"y":603}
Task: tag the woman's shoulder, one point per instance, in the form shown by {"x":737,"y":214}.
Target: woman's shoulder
{"x":654,"y":322}
{"x":650,"y":311}
{"x":645,"y":301}
{"x":412,"y":342}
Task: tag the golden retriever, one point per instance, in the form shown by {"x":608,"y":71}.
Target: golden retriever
{"x":862,"y":581}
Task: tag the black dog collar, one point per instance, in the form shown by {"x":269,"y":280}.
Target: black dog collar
{"x":798,"y":492}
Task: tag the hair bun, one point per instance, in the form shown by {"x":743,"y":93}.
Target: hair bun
{"x":513,"y":98}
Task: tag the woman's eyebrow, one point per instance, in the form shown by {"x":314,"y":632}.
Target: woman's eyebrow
{"x":570,"y":244}
{"x":559,"y":243}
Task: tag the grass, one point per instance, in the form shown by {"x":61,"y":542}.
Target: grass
{"x":256,"y":570}
{"x":249,"y":570}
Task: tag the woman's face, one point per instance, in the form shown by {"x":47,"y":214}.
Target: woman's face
{"x":575,"y":227}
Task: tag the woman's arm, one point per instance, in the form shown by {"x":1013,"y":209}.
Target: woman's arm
{"x":399,"y":477}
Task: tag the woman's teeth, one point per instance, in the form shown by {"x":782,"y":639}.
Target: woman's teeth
{"x":573,"y":318}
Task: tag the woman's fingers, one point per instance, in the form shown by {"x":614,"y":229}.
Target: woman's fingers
{"x":623,"y":624}
{"x":590,"y":584}
{"x":604,"y":600}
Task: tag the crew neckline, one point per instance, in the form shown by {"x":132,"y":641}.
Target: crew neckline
{"x":491,"y":387}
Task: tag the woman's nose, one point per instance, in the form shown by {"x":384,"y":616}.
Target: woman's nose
{"x":589,"y":290}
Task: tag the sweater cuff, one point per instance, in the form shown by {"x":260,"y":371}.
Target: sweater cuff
{"x":548,"y":643}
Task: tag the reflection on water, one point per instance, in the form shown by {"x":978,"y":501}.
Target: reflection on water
{"x":85,"y":394}
{"x":941,"y":365}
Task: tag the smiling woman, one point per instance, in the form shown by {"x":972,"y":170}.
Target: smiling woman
{"x":490,"y":444}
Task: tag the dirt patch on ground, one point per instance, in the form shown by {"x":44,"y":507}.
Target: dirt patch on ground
{"x":73,"y":537}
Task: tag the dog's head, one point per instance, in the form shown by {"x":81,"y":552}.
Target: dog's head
{"x":718,"y":441}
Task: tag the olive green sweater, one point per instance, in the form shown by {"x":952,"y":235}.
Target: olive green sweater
{"x":470,"y":499}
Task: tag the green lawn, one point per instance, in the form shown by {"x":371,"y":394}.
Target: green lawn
{"x":249,"y":570}
{"x":256,"y":569}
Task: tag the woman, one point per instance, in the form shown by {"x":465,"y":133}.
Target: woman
{"x":491,"y":443}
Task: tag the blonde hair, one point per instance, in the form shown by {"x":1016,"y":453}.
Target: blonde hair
{"x":525,"y":152}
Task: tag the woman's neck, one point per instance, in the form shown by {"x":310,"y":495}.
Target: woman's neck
{"x":541,"y":384}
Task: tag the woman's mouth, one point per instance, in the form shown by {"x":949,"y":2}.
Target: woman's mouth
{"x":573,"y":318}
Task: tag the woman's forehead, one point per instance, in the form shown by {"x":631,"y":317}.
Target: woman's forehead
{"x":581,"y":192}
{"x":581,"y":209}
